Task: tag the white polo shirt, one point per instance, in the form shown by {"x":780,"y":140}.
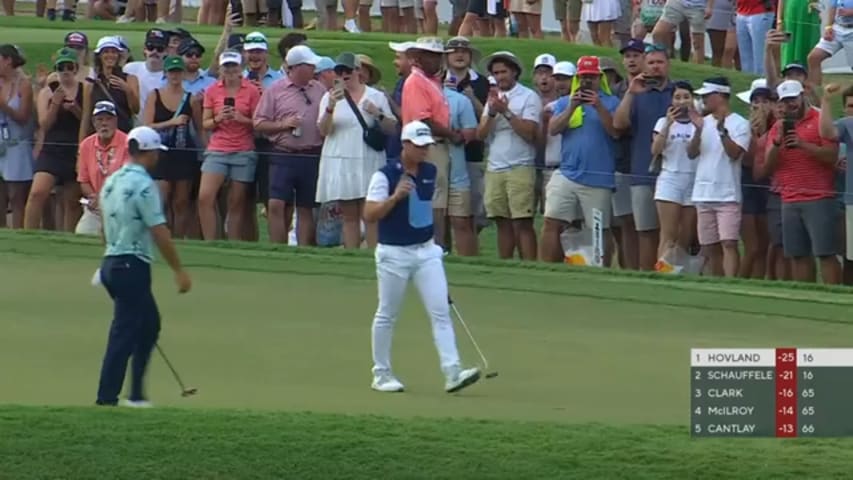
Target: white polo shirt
{"x":718,"y":175}
{"x":506,"y":148}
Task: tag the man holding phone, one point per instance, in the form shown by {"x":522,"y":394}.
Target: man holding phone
{"x":584,"y":182}
{"x":647,"y":99}
{"x":804,"y":164}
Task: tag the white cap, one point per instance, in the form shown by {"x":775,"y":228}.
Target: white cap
{"x":401,"y":47}
{"x":429,"y":44}
{"x":104,"y":106}
{"x":565,"y":68}
{"x":789,"y":89}
{"x":108,"y":42}
{"x":255,"y":41}
{"x":708,"y":88}
{"x":417,"y":133}
{"x":147,"y":138}
{"x":757,"y":83}
{"x":230,"y":56}
{"x":301,"y":55}
{"x":545,"y":60}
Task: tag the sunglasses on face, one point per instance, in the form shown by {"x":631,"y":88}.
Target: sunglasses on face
{"x":193,"y":54}
{"x":343,"y":70}
{"x":155,"y":48}
{"x":65,"y":67}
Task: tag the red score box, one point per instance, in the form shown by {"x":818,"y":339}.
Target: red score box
{"x":786,"y":392}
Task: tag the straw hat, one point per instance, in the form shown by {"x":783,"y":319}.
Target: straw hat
{"x":373,"y":73}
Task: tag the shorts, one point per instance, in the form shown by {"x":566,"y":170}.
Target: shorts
{"x":621,"y":201}
{"x":62,"y":167}
{"x":439,"y":156}
{"x":254,"y":7}
{"x":478,"y":7}
{"x":774,"y":218}
{"x":849,"y":222}
{"x":293,"y":178}
{"x":649,"y":16}
{"x":522,"y":6}
{"x":236,"y":166}
{"x":842,"y":35}
{"x":674,"y":12}
{"x":622,"y":26}
{"x":542,"y":179}
{"x":326,"y":4}
{"x":722,"y":17}
{"x":509,"y":193}
{"x":176,"y":167}
{"x":718,"y":222}
{"x":675,"y":187}
{"x":459,"y":203}
{"x":459,"y":8}
{"x":644,"y":208}
{"x":754,"y":199}
{"x":568,"y":201}
{"x":810,"y":228}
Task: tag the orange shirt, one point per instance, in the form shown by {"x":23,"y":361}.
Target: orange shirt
{"x":423,"y":99}
{"x":96,"y":162}
{"x":230,"y":136}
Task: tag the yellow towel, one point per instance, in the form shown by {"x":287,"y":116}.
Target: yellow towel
{"x":576,"y":119}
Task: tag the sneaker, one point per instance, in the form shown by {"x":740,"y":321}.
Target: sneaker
{"x":136,"y":404}
{"x":160,"y":21}
{"x":386,"y":382}
{"x":351,"y":26}
{"x":51,"y":14}
{"x":125,"y":19}
{"x":457,"y":379}
{"x":68,"y":15}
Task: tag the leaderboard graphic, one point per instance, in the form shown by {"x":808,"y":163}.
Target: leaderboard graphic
{"x":771,"y":392}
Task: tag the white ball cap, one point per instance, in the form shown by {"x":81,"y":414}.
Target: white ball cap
{"x":417,"y":133}
{"x":147,"y":138}
{"x":789,"y":89}
{"x":565,"y":68}
{"x":230,"y":57}
{"x":545,"y":60}
{"x":402,"y":47}
{"x":301,"y":55}
{"x":107,"y":42}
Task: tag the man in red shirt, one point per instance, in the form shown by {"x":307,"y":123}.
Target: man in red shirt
{"x":424,"y":100}
{"x":804,"y":166}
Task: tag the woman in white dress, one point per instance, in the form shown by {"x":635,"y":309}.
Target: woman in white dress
{"x":674,"y":187}
{"x":347,"y":162}
{"x":599,"y":16}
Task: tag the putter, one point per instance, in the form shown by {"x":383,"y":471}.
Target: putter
{"x":185,"y":392}
{"x":492,"y":374}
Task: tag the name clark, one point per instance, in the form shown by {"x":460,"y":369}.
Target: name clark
{"x":725,"y":392}
{"x":735,"y":428}
{"x":740,"y":375}
{"x":720,"y":357}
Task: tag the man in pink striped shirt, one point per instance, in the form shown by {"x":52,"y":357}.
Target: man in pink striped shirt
{"x":287,"y":115}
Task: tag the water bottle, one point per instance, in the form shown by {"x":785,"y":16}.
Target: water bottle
{"x":181,"y":137}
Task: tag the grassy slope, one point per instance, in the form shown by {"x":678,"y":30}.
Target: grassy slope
{"x":287,"y":330}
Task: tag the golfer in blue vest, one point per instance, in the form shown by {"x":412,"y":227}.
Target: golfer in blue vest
{"x":399,"y":198}
{"x":133,"y":221}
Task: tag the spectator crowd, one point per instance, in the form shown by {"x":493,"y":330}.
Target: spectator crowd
{"x":664,"y":170}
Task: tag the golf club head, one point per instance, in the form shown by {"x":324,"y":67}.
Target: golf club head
{"x":491,"y":374}
{"x":189,"y":392}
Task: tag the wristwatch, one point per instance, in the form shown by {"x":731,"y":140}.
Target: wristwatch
{"x":508,"y":115}
{"x":724,"y":133}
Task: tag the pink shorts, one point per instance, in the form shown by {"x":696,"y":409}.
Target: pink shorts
{"x":718,"y":222}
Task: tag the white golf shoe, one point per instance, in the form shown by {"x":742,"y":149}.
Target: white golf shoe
{"x":457,"y":378}
{"x":386,"y":382}
{"x":137,"y":404}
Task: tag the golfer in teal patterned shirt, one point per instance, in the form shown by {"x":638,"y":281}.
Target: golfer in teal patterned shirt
{"x":133,"y":221}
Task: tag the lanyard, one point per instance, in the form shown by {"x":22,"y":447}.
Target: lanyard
{"x":99,"y":158}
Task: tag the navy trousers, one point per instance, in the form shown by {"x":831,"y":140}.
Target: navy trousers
{"x":135,"y":326}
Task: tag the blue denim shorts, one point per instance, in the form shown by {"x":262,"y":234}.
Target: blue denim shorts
{"x":237,"y":166}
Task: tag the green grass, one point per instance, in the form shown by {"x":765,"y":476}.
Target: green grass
{"x":593,"y":363}
{"x":593,"y":371}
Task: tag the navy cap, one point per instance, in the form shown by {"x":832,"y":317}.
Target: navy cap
{"x":156,"y":36}
{"x":236,"y":40}
{"x":189,"y":44}
{"x":633,"y":45}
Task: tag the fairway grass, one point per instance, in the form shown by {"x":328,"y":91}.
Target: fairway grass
{"x":594,"y":371}
{"x":97,"y":443}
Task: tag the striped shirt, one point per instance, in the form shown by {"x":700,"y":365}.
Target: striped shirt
{"x":799,"y":176}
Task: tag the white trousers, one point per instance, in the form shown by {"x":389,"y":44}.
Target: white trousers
{"x":395,"y":266}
